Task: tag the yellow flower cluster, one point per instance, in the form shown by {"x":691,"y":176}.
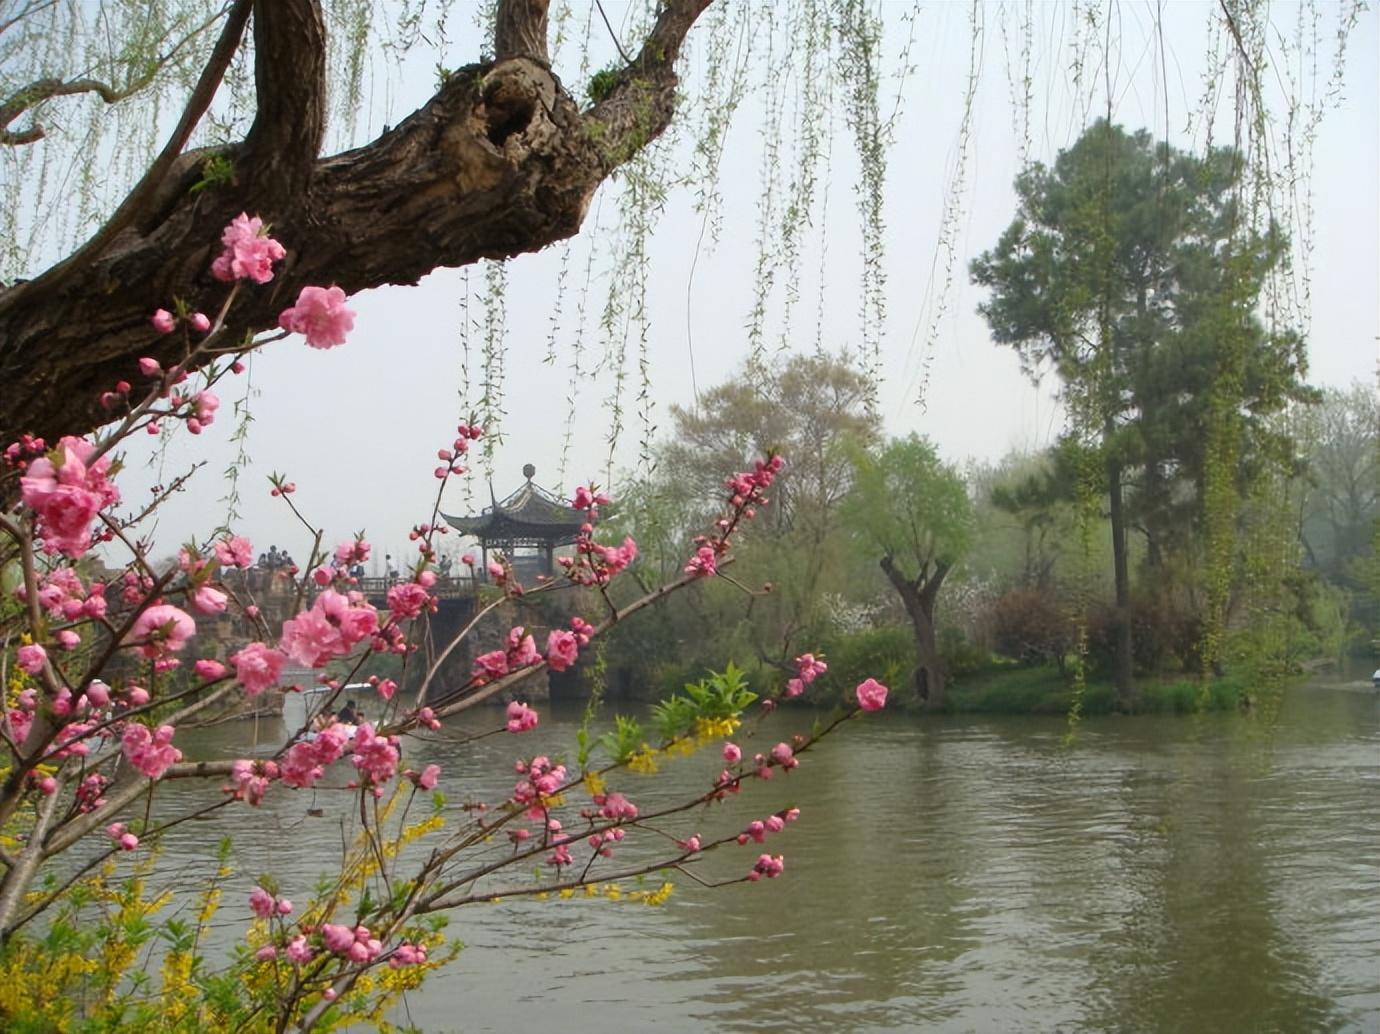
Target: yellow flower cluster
{"x":715,"y":728}
{"x":614,"y":892}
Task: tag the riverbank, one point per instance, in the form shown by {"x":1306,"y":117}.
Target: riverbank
{"x":1012,"y":689}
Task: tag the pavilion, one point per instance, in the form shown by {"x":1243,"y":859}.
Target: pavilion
{"x":528,"y":527}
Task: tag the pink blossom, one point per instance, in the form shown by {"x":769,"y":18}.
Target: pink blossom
{"x":784,"y":756}
{"x":375,"y":756}
{"x":704,"y":563}
{"x":523,"y":652}
{"x":208,"y":669}
{"x":199,"y":322}
{"x":356,"y":551}
{"x":321,"y":315}
{"x":492,"y":664}
{"x":298,"y":950}
{"x":204,"y":406}
{"x":163,"y":321}
{"x":149,"y":366}
{"x":250,"y":779}
{"x":808,"y":668}
{"x":258,"y":667}
{"x":137,"y":696}
{"x":261,"y":903}
{"x":311,"y":640}
{"x":235,"y":552}
{"x":98,"y":693}
{"x":732,"y":753}
{"x":386,"y":688}
{"x":152,"y":753}
{"x":407,"y":954}
{"x":616,"y":806}
{"x":31,"y":658}
{"x":426,"y":779}
{"x":162,"y":629}
{"x":794,"y":687}
{"x":562,"y":649}
{"x":337,"y":939}
{"x":208,"y":600}
{"x":407,"y":600}
{"x":249,"y":251}
{"x":770,"y":866}
{"x":521,"y":717}
{"x":871,"y":695}
{"x":67,"y":494}
{"x":267,"y":953}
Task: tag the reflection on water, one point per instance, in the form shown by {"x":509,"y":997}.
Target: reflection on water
{"x":1217,"y":873}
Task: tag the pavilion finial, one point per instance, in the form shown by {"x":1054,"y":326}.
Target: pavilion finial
{"x":529,"y":471}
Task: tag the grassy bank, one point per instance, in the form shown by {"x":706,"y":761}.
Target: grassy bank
{"x":1010,"y":689}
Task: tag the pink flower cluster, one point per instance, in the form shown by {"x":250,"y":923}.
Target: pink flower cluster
{"x":234,"y":551}
{"x":519,"y":651}
{"x":320,"y":314}
{"x":543,"y":778}
{"x":258,"y":667}
{"x":747,"y":491}
{"x":62,"y":595}
{"x":304,"y":763}
{"x":67,"y":491}
{"x":375,"y":756}
{"x":521,"y":717}
{"x":807,"y":669}
{"x":249,"y":253}
{"x":161,"y":630}
{"x":426,"y":779}
{"x":152,"y":753}
{"x":595,"y":564}
{"x":615,"y":806}
{"x":250,"y":779}
{"x":871,"y":695}
{"x":563,"y":647}
{"x":758,"y":829}
{"x":409,"y":599}
{"x":357,"y":944}
{"x":331,"y":628}
{"x":770,"y":866}
{"x":117,"y":832}
{"x":407,"y":954}
{"x":31,"y":658}
{"x":266,"y":906}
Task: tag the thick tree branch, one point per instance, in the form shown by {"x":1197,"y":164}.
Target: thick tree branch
{"x":499,"y":162}
{"x":46,"y":89}
{"x":133,"y":206}
{"x":282,"y":146}
{"x":520,"y":30}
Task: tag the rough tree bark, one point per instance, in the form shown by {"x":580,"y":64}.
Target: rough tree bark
{"x":501,"y":161}
{"x":918,"y":596}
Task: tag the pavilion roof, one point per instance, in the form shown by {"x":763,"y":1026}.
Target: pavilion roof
{"x":530,"y":514}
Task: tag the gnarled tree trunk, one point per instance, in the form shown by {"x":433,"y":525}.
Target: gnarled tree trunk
{"x":501,"y":161}
{"x":918,"y":596}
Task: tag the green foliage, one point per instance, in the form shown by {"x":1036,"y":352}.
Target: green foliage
{"x":1044,"y":690}
{"x":603,"y":82}
{"x":718,"y":696}
{"x":911,"y":506}
{"x":886,"y":654}
{"x":216,"y":171}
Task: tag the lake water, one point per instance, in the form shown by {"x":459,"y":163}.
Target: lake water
{"x":1203,"y":873}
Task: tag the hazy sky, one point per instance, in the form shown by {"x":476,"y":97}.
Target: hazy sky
{"x":357,"y":427}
